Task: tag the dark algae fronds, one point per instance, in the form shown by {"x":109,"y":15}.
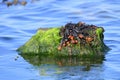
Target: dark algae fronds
{"x":73,"y":39}
{"x":9,"y":3}
{"x":82,"y":38}
{"x":14,"y":2}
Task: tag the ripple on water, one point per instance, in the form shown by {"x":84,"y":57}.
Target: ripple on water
{"x":16,"y":17}
{"x":4,"y":38}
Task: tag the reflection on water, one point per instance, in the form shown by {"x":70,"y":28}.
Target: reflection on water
{"x":37,"y":60}
{"x":66,"y":67}
{"x":70,"y":73}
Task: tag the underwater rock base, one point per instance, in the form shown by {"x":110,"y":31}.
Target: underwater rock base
{"x":77,"y":39}
{"x":37,"y":60}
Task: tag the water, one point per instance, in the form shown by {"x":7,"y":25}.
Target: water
{"x":18,"y":23}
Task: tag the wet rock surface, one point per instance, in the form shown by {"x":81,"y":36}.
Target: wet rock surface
{"x":71,"y":39}
{"x":14,"y":2}
{"x":89,"y":38}
{"x":9,"y":3}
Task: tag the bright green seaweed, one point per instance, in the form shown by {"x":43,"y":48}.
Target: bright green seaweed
{"x":47,"y":41}
{"x":44,"y":41}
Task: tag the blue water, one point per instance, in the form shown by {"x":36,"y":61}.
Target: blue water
{"x":18,"y":23}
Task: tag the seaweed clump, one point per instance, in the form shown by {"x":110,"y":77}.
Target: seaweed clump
{"x":87,"y":38}
{"x":76,"y":33}
{"x":14,"y":2}
{"x":76,"y":39}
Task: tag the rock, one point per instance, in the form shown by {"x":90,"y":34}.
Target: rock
{"x":9,"y":4}
{"x":44,"y":41}
{"x":14,"y":2}
{"x":23,"y":3}
{"x":73,"y":39}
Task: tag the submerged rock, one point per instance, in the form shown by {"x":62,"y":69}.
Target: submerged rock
{"x":72,"y":39}
{"x":14,"y":2}
{"x":38,"y":60}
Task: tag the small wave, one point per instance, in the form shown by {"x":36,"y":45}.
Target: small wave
{"x":112,"y":41}
{"x":6,"y":38}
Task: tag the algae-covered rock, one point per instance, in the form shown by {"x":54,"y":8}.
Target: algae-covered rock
{"x":44,"y":41}
{"x":72,"y":39}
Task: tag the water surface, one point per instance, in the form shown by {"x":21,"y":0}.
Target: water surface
{"x":18,"y":23}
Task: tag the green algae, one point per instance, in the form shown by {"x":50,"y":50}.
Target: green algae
{"x":99,"y":33}
{"x":44,"y":41}
{"x":47,"y":41}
